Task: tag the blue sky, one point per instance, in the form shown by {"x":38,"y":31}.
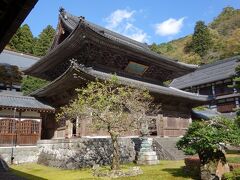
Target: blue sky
{"x":143,"y":20}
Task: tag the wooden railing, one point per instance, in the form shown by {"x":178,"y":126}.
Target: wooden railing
{"x":226,"y":107}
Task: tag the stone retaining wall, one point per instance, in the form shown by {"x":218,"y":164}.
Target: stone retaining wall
{"x":21,"y":154}
{"x":84,"y":152}
{"x":76,"y":153}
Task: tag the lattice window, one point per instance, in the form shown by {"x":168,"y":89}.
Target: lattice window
{"x":35,"y":127}
{"x":7,"y":126}
{"x":28,"y":127}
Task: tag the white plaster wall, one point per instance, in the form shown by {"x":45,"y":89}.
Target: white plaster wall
{"x":31,"y":114}
{"x":6,"y":112}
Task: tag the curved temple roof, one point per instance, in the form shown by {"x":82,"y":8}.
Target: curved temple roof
{"x":81,"y":72}
{"x":209,"y":73}
{"x":79,"y":28}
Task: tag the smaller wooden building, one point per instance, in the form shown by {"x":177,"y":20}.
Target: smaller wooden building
{"x":11,"y":65}
{"x":20,"y":119}
{"x":213,"y":79}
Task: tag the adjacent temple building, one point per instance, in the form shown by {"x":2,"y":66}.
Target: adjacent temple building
{"x":83,"y":51}
{"x":214,"y":79}
{"x":14,"y":60}
{"x":20,"y":116}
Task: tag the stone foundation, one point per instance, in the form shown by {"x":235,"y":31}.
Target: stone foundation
{"x":21,"y":154}
{"x":77,"y":153}
{"x":84,"y":152}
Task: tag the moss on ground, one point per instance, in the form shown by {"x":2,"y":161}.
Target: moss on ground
{"x":166,"y":170}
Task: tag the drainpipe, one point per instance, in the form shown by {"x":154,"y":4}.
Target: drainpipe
{"x":13,"y":130}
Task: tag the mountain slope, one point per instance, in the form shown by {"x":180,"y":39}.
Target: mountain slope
{"x":225,"y":34}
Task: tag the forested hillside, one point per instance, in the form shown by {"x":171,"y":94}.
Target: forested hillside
{"x":23,"y":41}
{"x":220,"y":39}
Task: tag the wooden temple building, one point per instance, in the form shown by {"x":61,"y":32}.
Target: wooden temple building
{"x":214,"y":79}
{"x":20,"y":119}
{"x":83,"y":51}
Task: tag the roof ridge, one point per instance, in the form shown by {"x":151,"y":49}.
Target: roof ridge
{"x":107,"y":32}
{"x":17,"y":96}
{"x":221,"y":61}
{"x":66,"y":14}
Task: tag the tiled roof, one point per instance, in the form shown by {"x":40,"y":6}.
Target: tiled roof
{"x":92,"y":74}
{"x":23,"y":61}
{"x":23,"y":102}
{"x":216,"y":71}
{"x":205,"y":114}
{"x":82,"y":32}
{"x":71,"y":23}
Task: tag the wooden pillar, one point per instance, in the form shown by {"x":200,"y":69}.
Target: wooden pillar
{"x":18,"y":122}
{"x":83,"y":127}
{"x":158,"y":125}
{"x":78,"y":127}
{"x":161,"y":129}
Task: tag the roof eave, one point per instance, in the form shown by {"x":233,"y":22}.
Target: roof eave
{"x":92,"y":74}
{"x":82,"y":28}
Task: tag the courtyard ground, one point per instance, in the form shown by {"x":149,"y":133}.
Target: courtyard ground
{"x":166,"y":170}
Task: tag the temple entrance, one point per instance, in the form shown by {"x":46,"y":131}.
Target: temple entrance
{"x":74,"y":128}
{"x":15,"y":132}
{"x":152,"y":127}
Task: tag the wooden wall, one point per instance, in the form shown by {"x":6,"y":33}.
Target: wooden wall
{"x":172,"y":122}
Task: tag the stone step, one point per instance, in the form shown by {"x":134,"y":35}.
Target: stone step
{"x":166,"y":148}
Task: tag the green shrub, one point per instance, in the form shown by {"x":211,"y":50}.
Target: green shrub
{"x":234,"y":175}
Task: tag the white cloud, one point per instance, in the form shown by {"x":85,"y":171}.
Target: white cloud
{"x":121,"y":21}
{"x":169,"y":27}
{"x":117,"y":17}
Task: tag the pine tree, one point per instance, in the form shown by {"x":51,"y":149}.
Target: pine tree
{"x":44,"y":41}
{"x":201,"y":39}
{"x":23,"y":40}
{"x":30,"y":84}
